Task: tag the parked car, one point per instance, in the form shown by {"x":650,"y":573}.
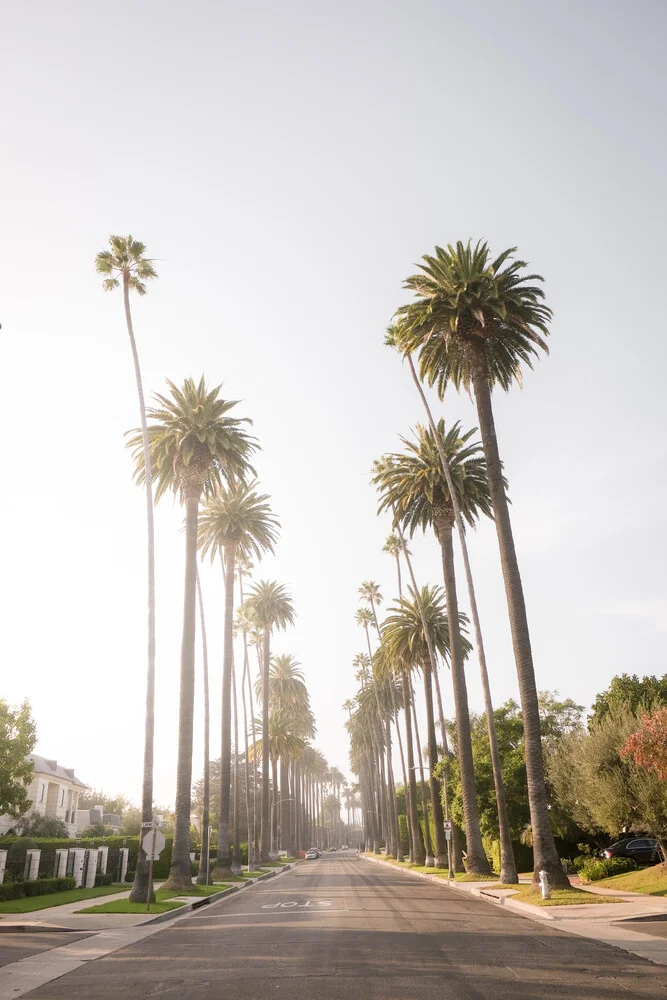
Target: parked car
{"x":313,"y":854}
{"x":332,"y":850}
{"x":344,"y":847}
{"x":643,"y":850}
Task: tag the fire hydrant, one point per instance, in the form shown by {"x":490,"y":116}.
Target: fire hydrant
{"x":544,"y":885}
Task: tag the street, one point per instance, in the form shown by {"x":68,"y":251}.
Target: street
{"x":339,"y":927}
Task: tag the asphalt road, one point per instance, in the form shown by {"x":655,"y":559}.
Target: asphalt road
{"x":344,"y":929}
{"x":14,"y":947}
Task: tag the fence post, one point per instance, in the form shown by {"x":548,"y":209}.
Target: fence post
{"x":103,"y":855}
{"x":124,"y":857}
{"x":3,"y":862}
{"x":32,"y":864}
{"x":77,"y":855}
{"x":91,"y":867}
{"x":60,"y":868}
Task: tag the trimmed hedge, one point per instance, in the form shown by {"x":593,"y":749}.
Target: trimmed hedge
{"x":38,"y":887}
{"x":595,"y":869}
{"x":101,"y":879}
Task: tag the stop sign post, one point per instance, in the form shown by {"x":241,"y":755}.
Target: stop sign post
{"x":153,"y":844}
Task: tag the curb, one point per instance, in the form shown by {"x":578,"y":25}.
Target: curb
{"x":525,"y":909}
{"x":159,"y":918}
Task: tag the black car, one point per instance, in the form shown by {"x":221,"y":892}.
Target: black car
{"x":643,"y":850}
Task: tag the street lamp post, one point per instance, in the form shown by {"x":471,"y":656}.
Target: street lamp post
{"x":276,"y":853}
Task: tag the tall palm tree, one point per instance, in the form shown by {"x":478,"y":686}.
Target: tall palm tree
{"x":126,"y":264}
{"x":404,"y":636}
{"x":393,"y":548}
{"x":413,"y":487}
{"x":194,"y":446}
{"x":475,"y":320}
{"x":272,"y":608}
{"x":235,"y":521}
{"x":508,"y":872}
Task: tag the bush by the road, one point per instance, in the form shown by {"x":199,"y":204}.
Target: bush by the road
{"x":594,"y":869}
{"x":38,"y":887}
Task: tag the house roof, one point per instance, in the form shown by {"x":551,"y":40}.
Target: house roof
{"x":54,"y":770}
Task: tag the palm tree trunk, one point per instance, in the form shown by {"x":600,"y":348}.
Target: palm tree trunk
{"x":476,"y":860}
{"x":255,"y":784}
{"x":223,"y":858}
{"x":205,"y":845}
{"x":180,"y":876}
{"x":544,"y":848}
{"x":418,"y":856}
{"x":285,"y":829}
{"x":245,"y":678}
{"x":237,"y":868}
{"x":508,"y":872}
{"x":265,"y":819}
{"x":430,"y":860}
{"x":141,"y":890}
{"x":274,"y":803}
{"x":436,"y":802}
{"x":457,"y":855}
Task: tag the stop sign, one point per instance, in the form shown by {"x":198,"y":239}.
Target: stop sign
{"x":153,"y":844}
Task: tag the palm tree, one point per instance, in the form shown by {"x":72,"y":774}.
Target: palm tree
{"x":271,"y":607}
{"x":508,"y":872}
{"x":194,"y":445}
{"x":413,"y":487}
{"x":404,"y":636}
{"x":126,"y":264}
{"x":475,"y":321}
{"x":393,"y":548}
{"x":235,"y":521}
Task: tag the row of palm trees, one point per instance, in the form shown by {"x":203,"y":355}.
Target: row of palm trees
{"x":473,"y":323}
{"x":191,"y":445}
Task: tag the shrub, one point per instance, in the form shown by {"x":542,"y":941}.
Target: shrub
{"x":130,"y":876}
{"x":18,"y":849}
{"x":595,"y":869}
{"x":101,"y":879}
{"x":43,"y":826}
{"x":44,"y":886}
{"x":581,"y":860}
{"x":12,"y":890}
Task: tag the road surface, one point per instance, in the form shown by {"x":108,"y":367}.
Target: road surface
{"x":343,"y":929}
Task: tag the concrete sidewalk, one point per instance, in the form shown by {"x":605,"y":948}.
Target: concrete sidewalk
{"x":611,"y":923}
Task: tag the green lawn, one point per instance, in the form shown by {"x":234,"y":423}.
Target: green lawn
{"x":125,"y":906}
{"x":197,"y":890}
{"x":652,"y":881}
{"x":559,"y":897}
{"x":30,"y":903}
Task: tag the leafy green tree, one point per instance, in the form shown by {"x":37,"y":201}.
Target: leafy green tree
{"x":44,"y":826}
{"x":194,"y":446}
{"x":116,"y":804}
{"x":235,"y":521}
{"x":632,"y":692}
{"x":131,"y":822}
{"x":475,"y":321}
{"x":271,"y":607}
{"x":18,"y":737}
{"x":126,"y":265}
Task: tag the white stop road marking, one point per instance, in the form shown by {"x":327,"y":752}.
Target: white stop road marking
{"x":290,"y":904}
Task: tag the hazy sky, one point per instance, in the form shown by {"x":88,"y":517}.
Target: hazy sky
{"x":287,"y":164}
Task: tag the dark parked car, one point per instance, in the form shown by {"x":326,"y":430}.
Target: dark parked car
{"x":643,"y":850}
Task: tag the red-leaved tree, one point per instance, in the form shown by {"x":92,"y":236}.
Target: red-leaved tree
{"x":648,"y":746}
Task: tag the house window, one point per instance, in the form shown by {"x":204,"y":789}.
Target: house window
{"x":41,"y":792}
{"x":62,"y":797}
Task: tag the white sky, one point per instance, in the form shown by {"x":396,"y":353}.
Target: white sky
{"x":288,"y":164}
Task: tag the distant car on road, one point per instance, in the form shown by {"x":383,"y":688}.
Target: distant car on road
{"x":332,"y":850}
{"x":344,"y":847}
{"x":313,"y":854}
{"x":643,"y":850}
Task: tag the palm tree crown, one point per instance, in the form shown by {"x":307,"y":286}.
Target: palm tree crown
{"x":370,"y":591}
{"x":125,"y":262}
{"x":270,"y":605}
{"x":413,"y":486}
{"x":194,"y":444}
{"x":472,"y":310}
{"x":403,"y":635}
{"x":237,"y":515}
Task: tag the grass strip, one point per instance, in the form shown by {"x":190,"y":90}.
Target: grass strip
{"x":30,"y":903}
{"x":125,"y":906}
{"x":559,"y":897}
{"x":649,"y":881}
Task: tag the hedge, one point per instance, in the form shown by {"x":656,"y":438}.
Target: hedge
{"x":596,"y":868}
{"x":38,"y":887}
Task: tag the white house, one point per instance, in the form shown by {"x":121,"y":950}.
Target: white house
{"x":54,"y":792}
